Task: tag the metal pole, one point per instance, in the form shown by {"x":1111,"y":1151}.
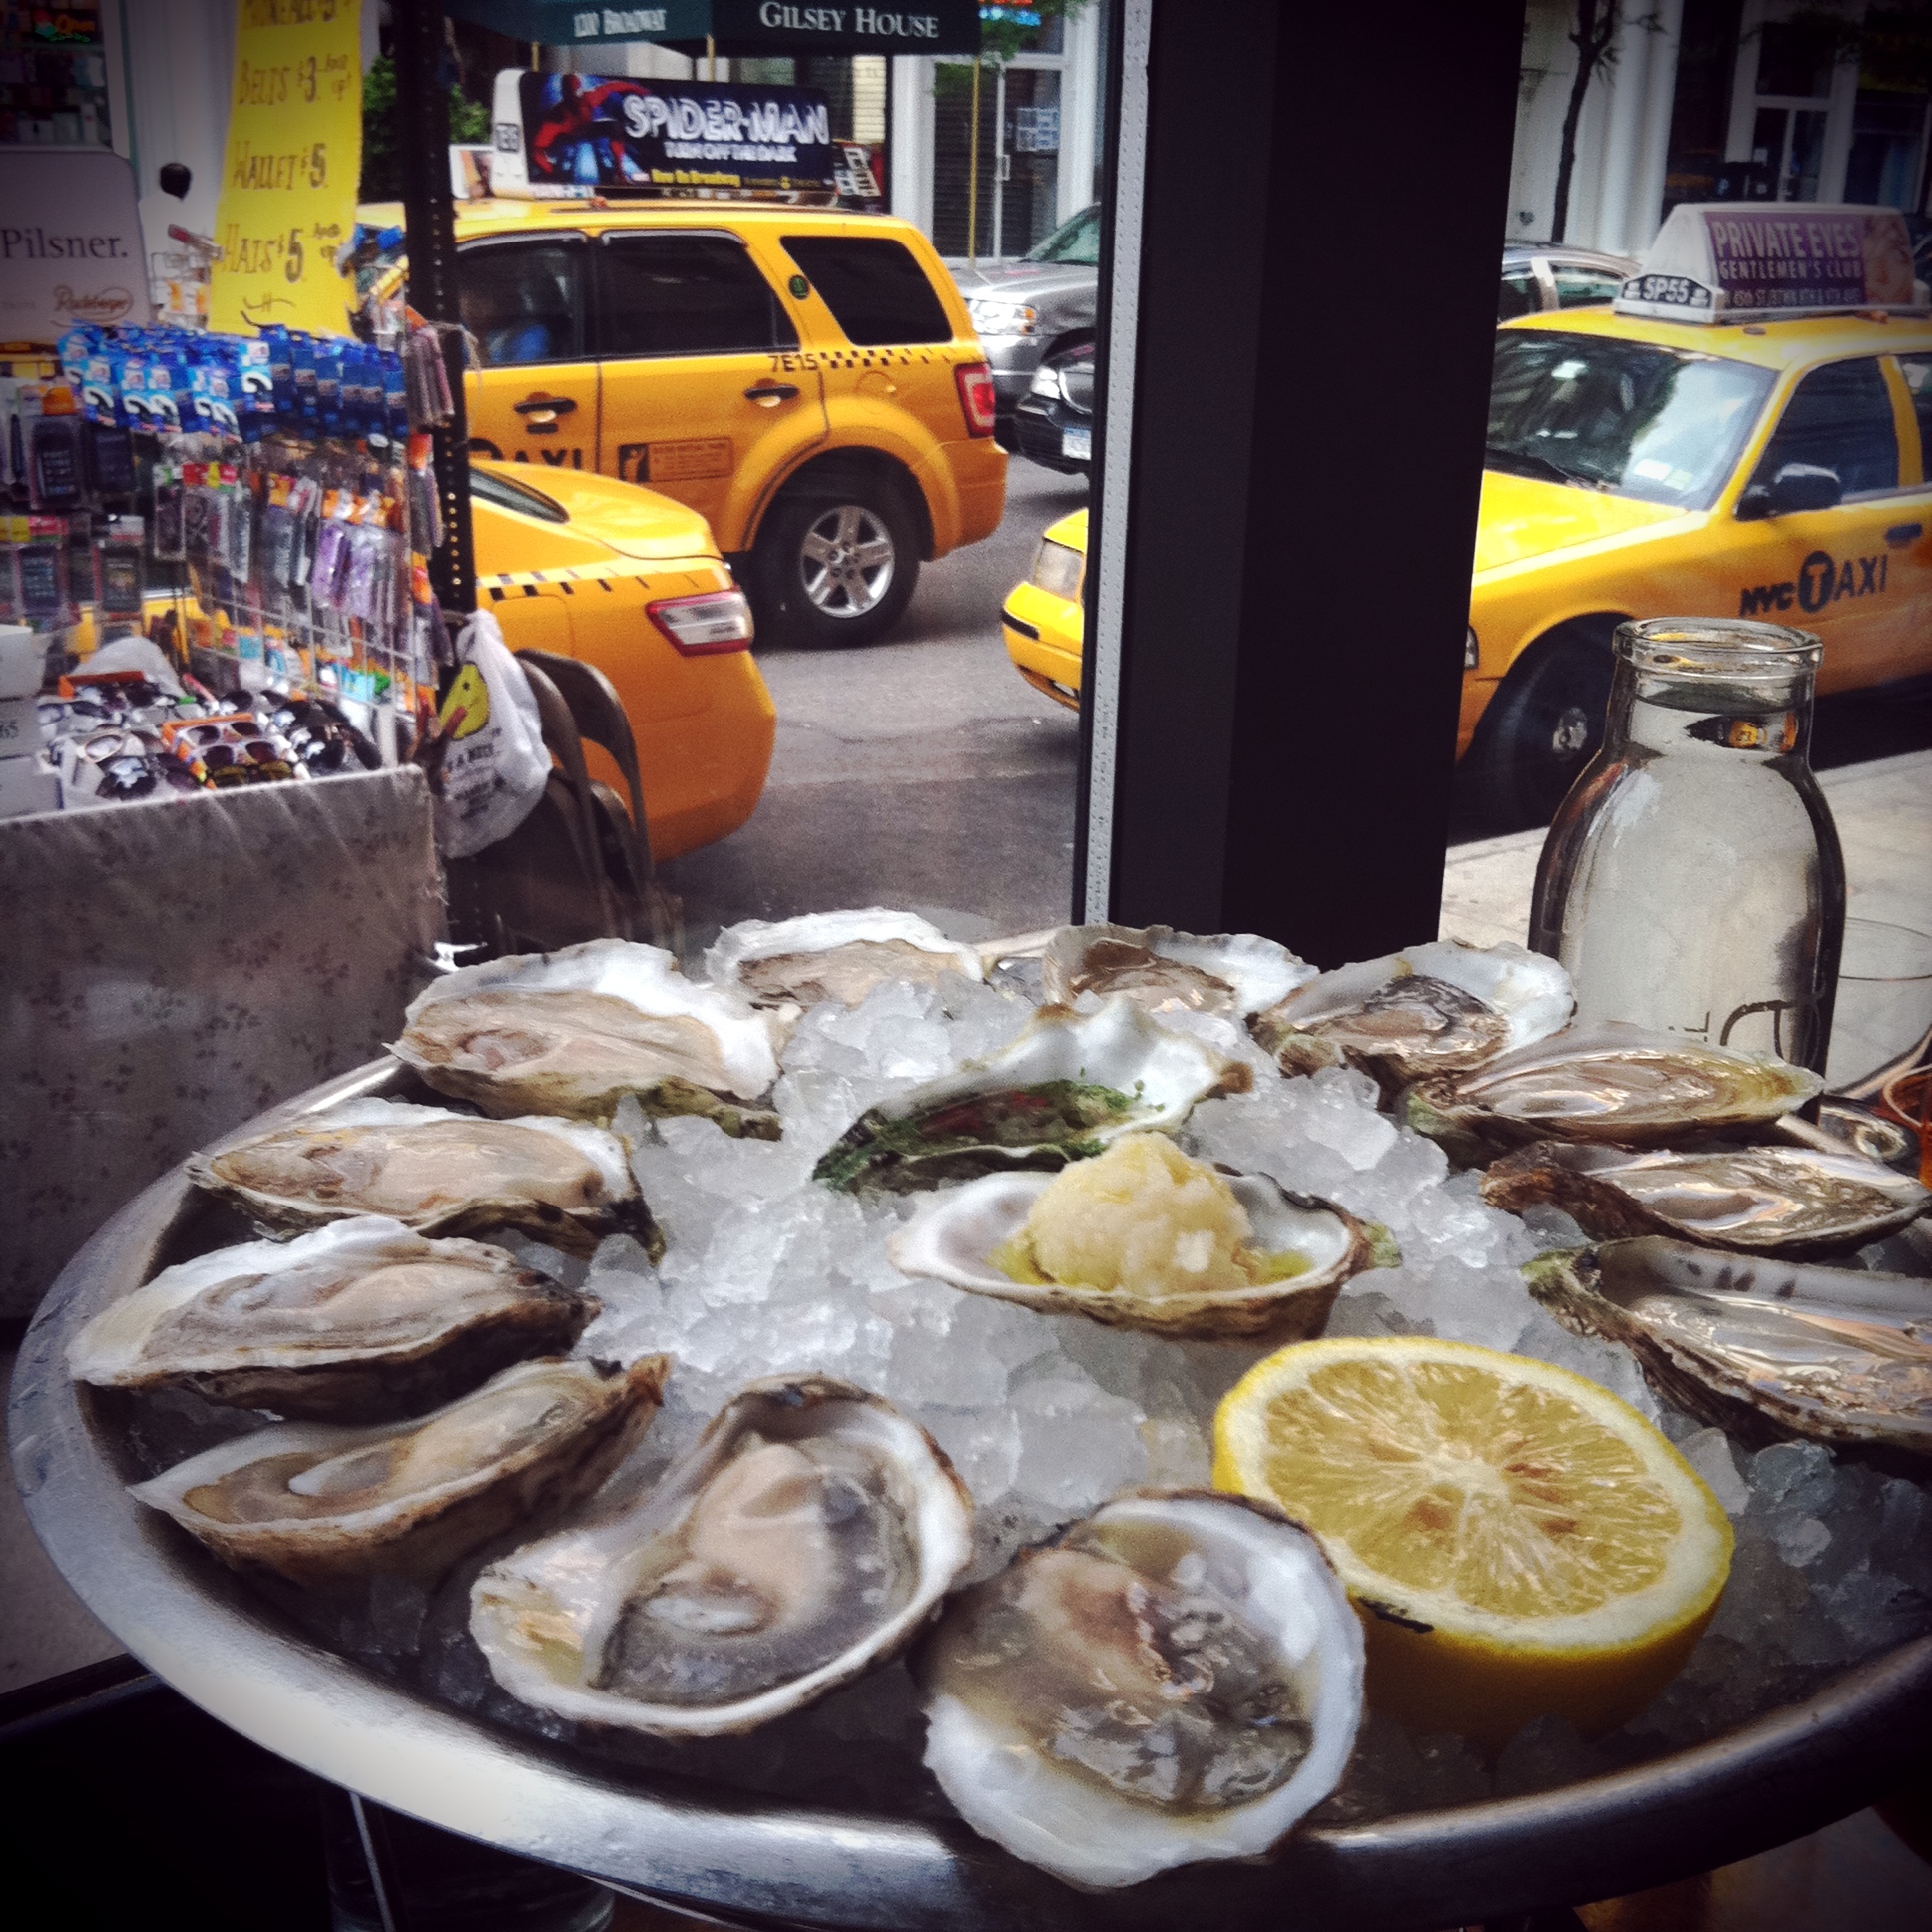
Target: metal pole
{"x":972,"y":177}
{"x":999,"y":163}
{"x":429,"y":214}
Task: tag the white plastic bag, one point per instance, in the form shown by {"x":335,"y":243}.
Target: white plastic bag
{"x":496,"y":767}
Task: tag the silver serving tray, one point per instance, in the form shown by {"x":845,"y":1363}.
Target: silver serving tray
{"x":727,"y":1853}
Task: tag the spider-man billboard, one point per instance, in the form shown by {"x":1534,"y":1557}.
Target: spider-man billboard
{"x":577,"y":133}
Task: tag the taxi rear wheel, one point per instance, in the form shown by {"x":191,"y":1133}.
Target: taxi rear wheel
{"x":835,"y":569}
{"x":1542,"y":725}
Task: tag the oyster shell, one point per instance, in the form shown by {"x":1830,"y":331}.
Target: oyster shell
{"x":1177,"y":1677}
{"x":1065,"y":1087}
{"x":1611,"y":1082}
{"x":1766,"y":1349}
{"x":1434,"y":1008}
{"x":805,"y":1538}
{"x":1161,"y":969}
{"x":573,"y":1031}
{"x":1758,"y":1199}
{"x":834,"y":956}
{"x":1303,"y":1250}
{"x":360,"y":1321}
{"x":435,"y":1171}
{"x":321,"y":1505}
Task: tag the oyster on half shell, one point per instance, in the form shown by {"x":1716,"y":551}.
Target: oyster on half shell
{"x":321,"y":1505}
{"x":1177,"y":1677}
{"x":1765,"y":1349}
{"x":1434,"y":1008}
{"x":359,"y":1321}
{"x":1758,"y":1200}
{"x":1620,"y":1083}
{"x":806,"y":1537}
{"x":573,"y":1031}
{"x":1156,"y":967}
{"x":1063,"y":1089}
{"x":437,"y":1172}
{"x":834,"y":956}
{"x":1161,"y":1245}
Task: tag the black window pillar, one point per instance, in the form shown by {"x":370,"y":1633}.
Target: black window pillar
{"x":1298,"y":286}
{"x":429,"y":214}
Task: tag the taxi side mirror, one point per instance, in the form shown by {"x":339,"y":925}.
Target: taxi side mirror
{"x":1797,"y":486}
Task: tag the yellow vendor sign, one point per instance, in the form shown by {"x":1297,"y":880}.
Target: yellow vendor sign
{"x":293,"y":164}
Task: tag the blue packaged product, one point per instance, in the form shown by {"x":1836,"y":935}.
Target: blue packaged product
{"x":328,"y":386}
{"x":276,"y":340}
{"x":307,"y":419}
{"x":99,"y":387}
{"x":213,"y":391}
{"x":257,"y":387}
{"x":396,"y":398}
{"x":164,"y":392}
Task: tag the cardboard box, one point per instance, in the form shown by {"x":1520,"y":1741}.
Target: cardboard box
{"x":23,"y":660}
{"x":27,"y":785}
{"x":19,"y":728}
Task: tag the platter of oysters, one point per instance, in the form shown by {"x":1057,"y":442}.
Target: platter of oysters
{"x":856,"y":1372}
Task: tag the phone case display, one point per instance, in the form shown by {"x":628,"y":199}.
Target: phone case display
{"x":261,"y":508}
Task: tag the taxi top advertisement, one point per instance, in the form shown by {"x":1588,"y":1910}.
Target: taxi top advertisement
{"x":572,"y":134}
{"x":1726,"y":260}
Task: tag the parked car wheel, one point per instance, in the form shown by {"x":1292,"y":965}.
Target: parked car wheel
{"x":1543,"y":726}
{"x":835,"y":568}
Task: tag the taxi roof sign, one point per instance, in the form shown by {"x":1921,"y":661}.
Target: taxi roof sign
{"x":1731,"y":261}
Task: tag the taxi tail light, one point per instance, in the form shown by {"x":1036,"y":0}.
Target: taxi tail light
{"x":977,"y":397}
{"x":702,"y":626}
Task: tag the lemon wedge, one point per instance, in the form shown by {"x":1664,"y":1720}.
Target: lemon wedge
{"x":1517,"y":1540}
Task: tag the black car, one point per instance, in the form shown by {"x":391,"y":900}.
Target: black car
{"x":1054,"y":422}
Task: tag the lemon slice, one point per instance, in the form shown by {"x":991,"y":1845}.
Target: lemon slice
{"x":1517,"y":1540}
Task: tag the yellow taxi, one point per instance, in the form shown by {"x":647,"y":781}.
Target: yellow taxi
{"x":1749,"y":463}
{"x":630,"y":582}
{"x":1041,"y":620}
{"x":804,"y":378}
{"x":1643,"y":468}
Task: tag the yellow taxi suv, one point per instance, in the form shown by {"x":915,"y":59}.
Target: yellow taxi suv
{"x":1745,"y":432}
{"x":630,"y":582}
{"x":1041,"y":621}
{"x":805,"y":379}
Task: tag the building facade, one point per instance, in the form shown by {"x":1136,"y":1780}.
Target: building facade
{"x":1719,"y":99}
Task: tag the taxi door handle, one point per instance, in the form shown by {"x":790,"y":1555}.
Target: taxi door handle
{"x":771,"y":393}
{"x":1904,"y":533}
{"x":545,"y":406}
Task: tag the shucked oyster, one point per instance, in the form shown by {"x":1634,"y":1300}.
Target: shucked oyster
{"x":1158,"y":968}
{"x":320,"y":1503}
{"x":1142,"y":1236}
{"x":1177,"y":1677}
{"x":1429,"y":1009}
{"x":573,"y":1031}
{"x":1611,"y":1082}
{"x":1066,"y":1087}
{"x":1758,"y":1200}
{"x":1765,"y":1349}
{"x":360,"y":1321}
{"x":806,"y":1537}
{"x":834,"y":956}
{"x":437,"y":1172}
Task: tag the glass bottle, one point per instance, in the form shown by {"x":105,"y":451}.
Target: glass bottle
{"x":1691,"y":880}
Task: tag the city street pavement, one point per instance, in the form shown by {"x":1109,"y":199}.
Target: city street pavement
{"x":923,"y":772}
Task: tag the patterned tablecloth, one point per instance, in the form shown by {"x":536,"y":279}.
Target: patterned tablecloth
{"x":169,"y":969}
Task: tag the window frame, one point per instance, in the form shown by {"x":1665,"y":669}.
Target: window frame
{"x":577,"y":243}
{"x":846,"y":335}
{"x":621,"y":237}
{"x":1780,"y":400}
